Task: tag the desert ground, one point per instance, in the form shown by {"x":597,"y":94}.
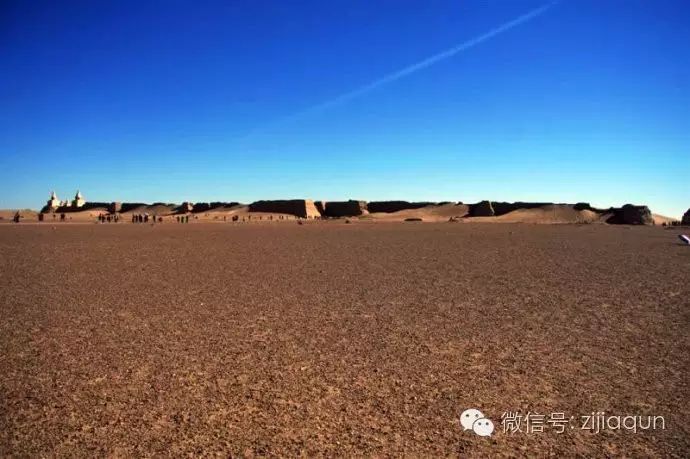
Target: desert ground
{"x":338,"y":339}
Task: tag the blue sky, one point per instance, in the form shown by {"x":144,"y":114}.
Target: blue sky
{"x":175,"y":100}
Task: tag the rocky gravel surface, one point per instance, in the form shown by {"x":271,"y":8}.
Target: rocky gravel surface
{"x":339,"y":339}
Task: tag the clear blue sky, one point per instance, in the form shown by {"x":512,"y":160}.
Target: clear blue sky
{"x":176,"y":100}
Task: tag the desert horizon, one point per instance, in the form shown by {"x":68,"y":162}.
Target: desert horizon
{"x":81,"y":210}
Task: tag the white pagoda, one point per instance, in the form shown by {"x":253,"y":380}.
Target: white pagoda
{"x":79,"y":200}
{"x":53,"y":202}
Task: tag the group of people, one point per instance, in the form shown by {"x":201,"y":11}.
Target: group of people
{"x":107,"y":218}
{"x":145,"y":218}
{"x":138,"y":218}
{"x":141,"y":218}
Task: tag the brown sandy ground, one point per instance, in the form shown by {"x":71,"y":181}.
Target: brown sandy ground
{"x":335,"y":339}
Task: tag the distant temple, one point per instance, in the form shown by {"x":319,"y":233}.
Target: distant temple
{"x":79,"y":200}
{"x":54,"y":203}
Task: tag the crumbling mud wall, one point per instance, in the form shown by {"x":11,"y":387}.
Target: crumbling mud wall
{"x":498,"y":208}
{"x":350,"y":208}
{"x":311,"y":210}
{"x":128,"y":206}
{"x":303,"y":208}
{"x":206,"y":206}
{"x":502,"y":208}
{"x":630,"y":214}
{"x":482,"y":209}
{"x":395,"y":206}
{"x":321,"y":207}
{"x":585,"y":206}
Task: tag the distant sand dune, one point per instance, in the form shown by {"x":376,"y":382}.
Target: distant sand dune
{"x":432,"y":213}
{"x":550,"y":214}
{"x":547,"y":214}
{"x":661,"y":219}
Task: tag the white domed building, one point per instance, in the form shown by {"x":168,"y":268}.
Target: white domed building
{"x":53,"y":202}
{"x":79,"y":200}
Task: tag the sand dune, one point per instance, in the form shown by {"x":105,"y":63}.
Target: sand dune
{"x":432,"y":213}
{"x":661,"y":219}
{"x":551,"y":214}
{"x":548,"y":214}
{"x":27,"y":214}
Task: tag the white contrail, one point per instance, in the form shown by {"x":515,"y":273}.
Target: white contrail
{"x":421,"y":64}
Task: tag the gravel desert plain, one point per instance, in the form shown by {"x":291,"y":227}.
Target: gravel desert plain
{"x":335,"y":339}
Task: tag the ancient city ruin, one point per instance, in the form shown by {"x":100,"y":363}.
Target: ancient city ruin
{"x":280,"y":209}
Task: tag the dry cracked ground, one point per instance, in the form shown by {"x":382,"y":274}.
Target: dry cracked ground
{"x":339,"y":339}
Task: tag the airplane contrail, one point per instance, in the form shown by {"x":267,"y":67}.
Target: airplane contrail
{"x":443,"y":55}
